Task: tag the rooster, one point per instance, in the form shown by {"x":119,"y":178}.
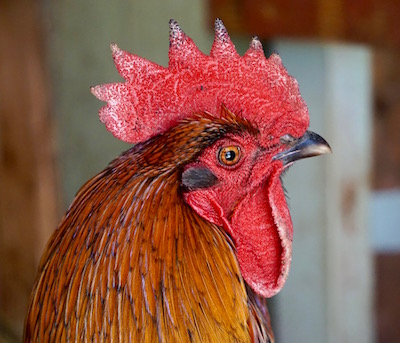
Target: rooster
{"x":184,"y":236}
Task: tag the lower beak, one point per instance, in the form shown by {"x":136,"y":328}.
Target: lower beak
{"x":309,"y":145}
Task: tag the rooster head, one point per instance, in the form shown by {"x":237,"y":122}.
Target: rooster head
{"x":235,"y":181}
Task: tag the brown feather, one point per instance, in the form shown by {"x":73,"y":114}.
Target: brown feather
{"x":131,"y":261}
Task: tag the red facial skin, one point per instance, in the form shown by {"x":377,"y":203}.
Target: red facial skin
{"x":249,"y":202}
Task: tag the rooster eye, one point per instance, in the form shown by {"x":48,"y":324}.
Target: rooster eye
{"x":229,"y":155}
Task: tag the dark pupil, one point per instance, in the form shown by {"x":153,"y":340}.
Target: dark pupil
{"x":230,"y":155}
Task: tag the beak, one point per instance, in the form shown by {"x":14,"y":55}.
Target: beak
{"x":309,"y":145}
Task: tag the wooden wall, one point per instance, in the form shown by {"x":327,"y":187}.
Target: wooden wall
{"x":28,"y":200}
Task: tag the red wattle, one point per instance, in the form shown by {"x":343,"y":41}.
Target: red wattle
{"x":262,"y":232}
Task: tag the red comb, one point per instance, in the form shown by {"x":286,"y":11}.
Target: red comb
{"x":153,"y":98}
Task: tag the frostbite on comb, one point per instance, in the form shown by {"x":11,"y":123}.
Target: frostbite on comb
{"x":154,"y":98}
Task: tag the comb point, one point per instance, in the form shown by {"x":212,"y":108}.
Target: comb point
{"x":255,"y":51}
{"x":182,"y":50}
{"x":256,"y":44}
{"x":175,"y":32}
{"x":276,"y":59}
{"x":114,"y":48}
{"x":222,"y":46}
{"x":173,"y":25}
{"x":97,"y":91}
{"x":221,"y":33}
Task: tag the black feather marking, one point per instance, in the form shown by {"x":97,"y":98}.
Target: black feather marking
{"x":198,"y":177}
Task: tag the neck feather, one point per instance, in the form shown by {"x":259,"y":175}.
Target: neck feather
{"x":131,"y":260}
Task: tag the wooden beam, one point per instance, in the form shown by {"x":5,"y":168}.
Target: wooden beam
{"x":328,"y":296}
{"x":28,"y":200}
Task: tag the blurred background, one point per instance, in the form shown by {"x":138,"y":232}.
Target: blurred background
{"x":344,"y":284}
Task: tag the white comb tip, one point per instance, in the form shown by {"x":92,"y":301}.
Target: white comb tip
{"x":256,"y":43}
{"x":219,"y":25}
{"x":114,"y":48}
{"x":276,"y":59}
{"x":95,"y":90}
{"x":220,"y":30}
{"x":174,"y":28}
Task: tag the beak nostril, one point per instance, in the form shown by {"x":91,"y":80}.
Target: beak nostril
{"x":288,"y":139}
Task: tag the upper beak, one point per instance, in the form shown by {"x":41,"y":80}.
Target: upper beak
{"x":309,"y":145}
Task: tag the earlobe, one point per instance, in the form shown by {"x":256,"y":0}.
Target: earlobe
{"x":197,"y":177}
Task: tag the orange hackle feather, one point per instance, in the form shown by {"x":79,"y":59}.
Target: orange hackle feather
{"x":131,"y":261}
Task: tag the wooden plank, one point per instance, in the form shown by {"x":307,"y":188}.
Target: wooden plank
{"x":349,"y":255}
{"x":386,"y":164}
{"x":28,"y":200}
{"x":388,"y":297}
{"x":328,"y":297}
{"x":372,"y":21}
